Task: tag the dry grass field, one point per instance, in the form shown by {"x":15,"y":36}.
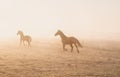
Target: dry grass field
{"x":47,"y":59}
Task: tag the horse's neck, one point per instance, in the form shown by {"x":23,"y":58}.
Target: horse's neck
{"x":63,"y":36}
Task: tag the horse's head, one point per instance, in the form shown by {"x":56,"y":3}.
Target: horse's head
{"x":58,"y":32}
{"x":19,"y":32}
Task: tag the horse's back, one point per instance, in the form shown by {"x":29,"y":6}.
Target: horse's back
{"x":27,"y":37}
{"x":69,"y":40}
{"x":73,"y":39}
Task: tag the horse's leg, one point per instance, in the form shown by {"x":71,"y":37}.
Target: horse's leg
{"x":64,"y":47}
{"x":76,"y":48}
{"x":20,"y":42}
{"x":29,"y":44}
{"x":71,"y":47}
{"x":23,"y":43}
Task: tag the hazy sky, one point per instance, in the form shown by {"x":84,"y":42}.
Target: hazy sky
{"x":42,"y":18}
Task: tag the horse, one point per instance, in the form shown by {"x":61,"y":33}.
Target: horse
{"x":68,"y":41}
{"x":24,"y":38}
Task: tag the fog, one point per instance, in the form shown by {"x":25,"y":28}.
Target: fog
{"x":94,"y":23}
{"x":41,"y":18}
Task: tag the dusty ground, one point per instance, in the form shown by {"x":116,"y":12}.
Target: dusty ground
{"x":46,"y":59}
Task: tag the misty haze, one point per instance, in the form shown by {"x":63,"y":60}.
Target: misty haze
{"x":59,"y":38}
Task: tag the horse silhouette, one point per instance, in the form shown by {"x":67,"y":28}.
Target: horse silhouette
{"x":68,"y":40}
{"x":24,"y":38}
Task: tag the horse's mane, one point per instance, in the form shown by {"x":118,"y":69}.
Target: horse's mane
{"x":61,"y":32}
{"x":20,"y":31}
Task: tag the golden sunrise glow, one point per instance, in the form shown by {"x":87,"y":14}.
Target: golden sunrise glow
{"x":59,"y":38}
{"x":41,"y":18}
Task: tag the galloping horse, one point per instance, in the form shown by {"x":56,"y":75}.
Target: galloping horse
{"x":24,"y":38}
{"x":68,"y":40}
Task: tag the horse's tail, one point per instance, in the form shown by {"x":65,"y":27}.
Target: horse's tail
{"x":79,"y":44}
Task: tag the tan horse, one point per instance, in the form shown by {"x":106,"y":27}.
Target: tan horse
{"x":68,"y":40}
{"x":24,"y":38}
